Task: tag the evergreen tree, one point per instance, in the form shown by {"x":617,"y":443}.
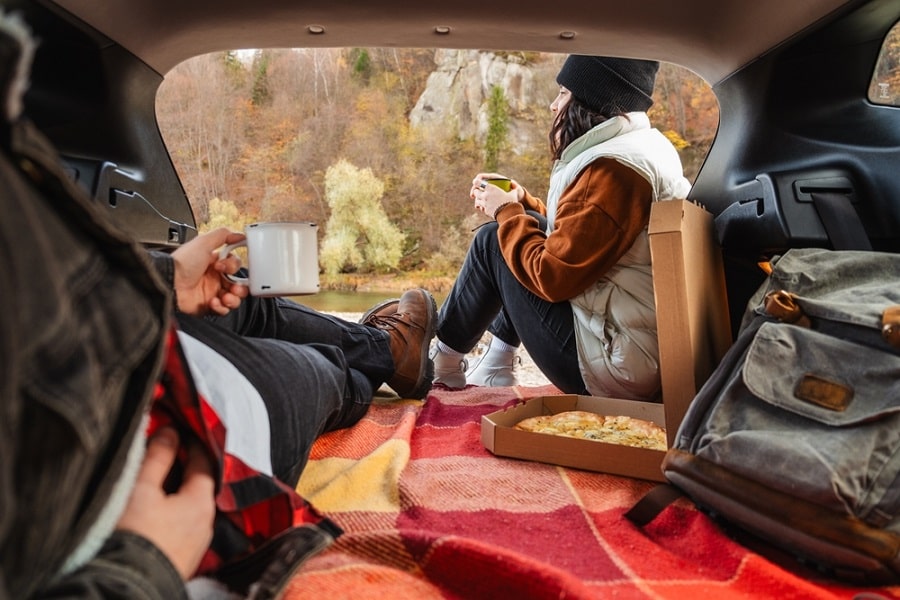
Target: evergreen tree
{"x":260,"y":94}
{"x":362,"y":64}
{"x":498,"y":128}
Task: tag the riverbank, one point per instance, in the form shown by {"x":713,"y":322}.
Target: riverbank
{"x":436,"y":284}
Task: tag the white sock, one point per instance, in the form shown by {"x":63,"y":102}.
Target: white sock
{"x":498,"y":345}
{"x":445,"y":349}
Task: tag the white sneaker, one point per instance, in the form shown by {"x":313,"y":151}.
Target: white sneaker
{"x":494,"y":369}
{"x":449,"y":370}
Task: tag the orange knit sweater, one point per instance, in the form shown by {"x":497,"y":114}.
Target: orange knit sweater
{"x":597,"y":220}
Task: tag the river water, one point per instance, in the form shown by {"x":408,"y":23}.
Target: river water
{"x":349,"y":302}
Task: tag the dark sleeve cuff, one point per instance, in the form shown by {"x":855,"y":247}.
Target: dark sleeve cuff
{"x":128,"y":567}
{"x":140,"y":558}
{"x":164,"y":265}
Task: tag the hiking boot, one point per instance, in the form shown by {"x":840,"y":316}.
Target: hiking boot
{"x":411,"y":324}
{"x":384,"y":309}
{"x":494,"y":369}
{"x":449,"y":369}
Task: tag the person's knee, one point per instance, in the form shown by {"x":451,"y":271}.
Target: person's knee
{"x":486,"y":238}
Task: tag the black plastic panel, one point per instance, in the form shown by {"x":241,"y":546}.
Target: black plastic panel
{"x":753,"y":223}
{"x":96,"y":103}
{"x":777,"y":211}
{"x":118,"y":191}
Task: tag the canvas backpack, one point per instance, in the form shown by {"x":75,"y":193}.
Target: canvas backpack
{"x":795,"y":438}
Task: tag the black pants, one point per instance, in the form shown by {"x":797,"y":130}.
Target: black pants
{"x":486,"y":296}
{"x":315,"y":372}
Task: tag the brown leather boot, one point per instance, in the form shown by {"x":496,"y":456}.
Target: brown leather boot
{"x":411,"y":322}
{"x":383,"y":309}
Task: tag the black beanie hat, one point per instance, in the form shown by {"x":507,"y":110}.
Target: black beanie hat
{"x":598,"y":81}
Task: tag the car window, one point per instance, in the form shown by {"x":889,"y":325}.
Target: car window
{"x":255,"y":134}
{"x":885,"y":85}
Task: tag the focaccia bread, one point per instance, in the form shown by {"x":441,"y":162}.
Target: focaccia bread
{"x":622,"y":430}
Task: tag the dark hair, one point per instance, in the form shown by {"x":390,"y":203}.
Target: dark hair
{"x":575,"y":120}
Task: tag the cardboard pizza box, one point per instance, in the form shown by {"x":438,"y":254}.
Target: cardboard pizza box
{"x":694,"y":333}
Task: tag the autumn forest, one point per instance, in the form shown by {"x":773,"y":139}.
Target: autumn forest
{"x":341,"y":137}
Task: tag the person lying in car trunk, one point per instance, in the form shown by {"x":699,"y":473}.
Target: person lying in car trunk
{"x":155,"y":419}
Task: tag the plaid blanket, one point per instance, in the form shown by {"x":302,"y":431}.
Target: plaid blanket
{"x":429,"y":513}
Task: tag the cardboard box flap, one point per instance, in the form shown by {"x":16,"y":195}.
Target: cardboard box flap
{"x":692,"y":316}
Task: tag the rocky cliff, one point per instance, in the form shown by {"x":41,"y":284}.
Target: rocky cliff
{"x":457,"y":91}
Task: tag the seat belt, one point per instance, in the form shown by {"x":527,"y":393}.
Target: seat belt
{"x":842,"y":223}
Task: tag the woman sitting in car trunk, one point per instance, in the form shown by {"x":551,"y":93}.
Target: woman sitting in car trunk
{"x":570,"y":276}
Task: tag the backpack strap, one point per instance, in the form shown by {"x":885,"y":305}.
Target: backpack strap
{"x":648,"y":508}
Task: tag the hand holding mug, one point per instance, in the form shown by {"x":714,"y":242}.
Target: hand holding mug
{"x":490,"y":191}
{"x":199,"y":285}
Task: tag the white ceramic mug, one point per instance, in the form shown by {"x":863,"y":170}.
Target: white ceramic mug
{"x":283,"y":258}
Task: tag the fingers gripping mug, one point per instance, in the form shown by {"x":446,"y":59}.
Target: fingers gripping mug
{"x":283,"y":259}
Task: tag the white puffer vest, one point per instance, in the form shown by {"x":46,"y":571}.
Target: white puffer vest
{"x":615,"y":319}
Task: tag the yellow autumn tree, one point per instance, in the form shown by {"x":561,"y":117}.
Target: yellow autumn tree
{"x":223,"y":213}
{"x":359,"y":236}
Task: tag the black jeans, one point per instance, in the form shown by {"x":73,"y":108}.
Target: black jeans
{"x":486,"y":296}
{"x":315,"y":372}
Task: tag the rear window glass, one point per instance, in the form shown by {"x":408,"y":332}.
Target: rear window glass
{"x":255,"y":134}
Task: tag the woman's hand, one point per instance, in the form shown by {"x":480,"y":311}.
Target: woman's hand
{"x":488,"y":198}
{"x":200,"y":285}
{"x":179,"y":524}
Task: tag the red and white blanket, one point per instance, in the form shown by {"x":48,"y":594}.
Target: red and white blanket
{"x":429,"y":513}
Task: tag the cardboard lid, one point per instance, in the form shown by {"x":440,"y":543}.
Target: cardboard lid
{"x":693,"y":321}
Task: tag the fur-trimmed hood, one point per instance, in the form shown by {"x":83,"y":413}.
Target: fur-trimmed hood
{"x":16,"y":53}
